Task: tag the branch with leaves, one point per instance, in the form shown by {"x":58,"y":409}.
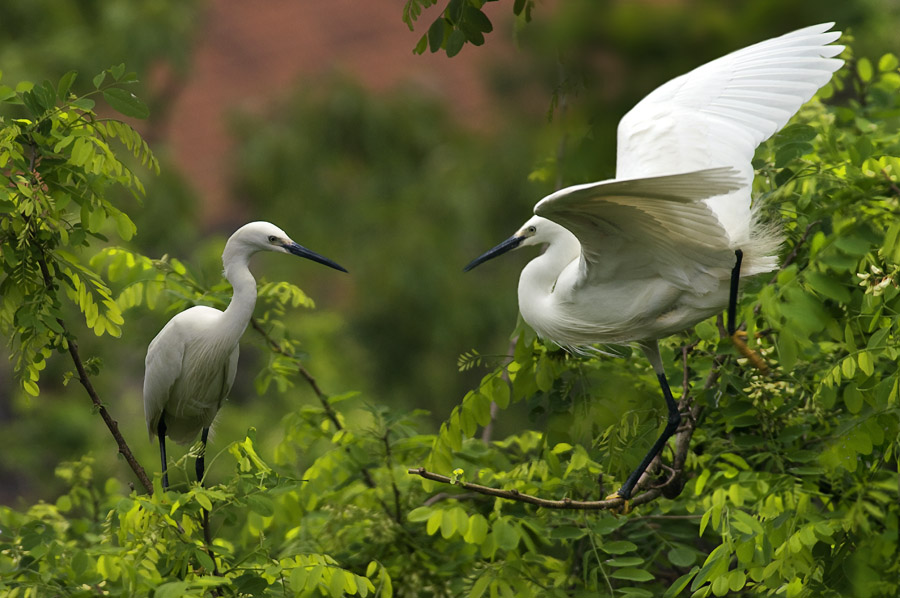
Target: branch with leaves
{"x":59,"y":161}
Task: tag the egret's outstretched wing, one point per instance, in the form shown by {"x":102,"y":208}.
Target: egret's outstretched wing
{"x":721,"y":111}
{"x":661,"y":220}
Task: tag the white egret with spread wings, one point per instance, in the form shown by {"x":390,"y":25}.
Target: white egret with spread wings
{"x":663,"y":245}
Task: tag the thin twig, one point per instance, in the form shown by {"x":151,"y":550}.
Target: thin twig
{"x":398,"y":516}
{"x":670,"y":488}
{"x":85,"y":380}
{"x":565,"y":503}
{"x":323,"y":399}
{"x":891,"y":183}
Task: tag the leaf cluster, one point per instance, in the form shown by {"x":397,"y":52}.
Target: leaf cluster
{"x":57,"y":160}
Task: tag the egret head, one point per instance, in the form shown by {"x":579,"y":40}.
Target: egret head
{"x":537,"y":231}
{"x":265,"y":236}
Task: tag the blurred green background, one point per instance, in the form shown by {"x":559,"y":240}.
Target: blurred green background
{"x":318,"y":117}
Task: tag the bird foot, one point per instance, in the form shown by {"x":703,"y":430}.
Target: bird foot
{"x":624,"y":508}
{"x":739,"y":338}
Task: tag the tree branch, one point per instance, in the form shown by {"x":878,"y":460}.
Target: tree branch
{"x":670,"y":488}
{"x":85,"y":380}
{"x":323,"y":399}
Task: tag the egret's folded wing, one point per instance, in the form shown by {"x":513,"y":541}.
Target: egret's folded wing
{"x":721,"y":111}
{"x":162,"y":367}
{"x":660,"y":218}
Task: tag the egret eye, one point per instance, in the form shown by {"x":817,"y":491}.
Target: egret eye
{"x":532,"y":230}
{"x":272,"y":238}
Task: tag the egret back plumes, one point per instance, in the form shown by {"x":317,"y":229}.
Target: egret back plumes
{"x":663,"y":245}
{"x":191,"y":364}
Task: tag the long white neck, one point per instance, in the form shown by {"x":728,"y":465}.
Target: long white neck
{"x":240,"y":310}
{"x":539,"y":278}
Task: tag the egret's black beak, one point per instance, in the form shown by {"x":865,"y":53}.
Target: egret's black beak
{"x":507,"y":245}
{"x":312,"y":255}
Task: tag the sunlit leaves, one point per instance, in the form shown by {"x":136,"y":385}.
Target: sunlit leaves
{"x":58,"y":165}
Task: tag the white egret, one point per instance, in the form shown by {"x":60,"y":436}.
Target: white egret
{"x":191,"y":363}
{"x":660,"y":247}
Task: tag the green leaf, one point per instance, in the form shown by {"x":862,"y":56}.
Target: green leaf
{"x":203,"y":501}
{"x":336,"y":586}
{"x":791,"y":151}
{"x":625,"y":561}
{"x":681,"y":583}
{"x":249,"y":583}
{"x":98,"y":79}
{"x":632,"y":574}
{"x":681,"y":556}
{"x":864,"y":69}
{"x":796,"y":133}
{"x":477,"y":529}
{"x":618,"y":547}
{"x":421,"y":45}
{"x":436,"y":35}
{"x":787,"y":350}
{"x":173,"y":589}
{"x":434,"y":522}
{"x":125,"y":102}
{"x":505,"y":535}
{"x":419,"y":514}
{"x":85,"y":104}
{"x":455,"y":42}
{"x":65,"y":84}
{"x":261,"y":504}
{"x":204,"y":559}
{"x":567,"y":532}
{"x":481,"y":584}
{"x":478,"y":19}
{"x":888,"y":62}
{"x":853,"y":399}
{"x":827,"y":286}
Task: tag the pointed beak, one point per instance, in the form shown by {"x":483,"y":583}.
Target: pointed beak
{"x":507,"y":245}
{"x":302,"y":251}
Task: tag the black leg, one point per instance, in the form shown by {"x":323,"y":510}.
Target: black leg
{"x":161,"y":433}
{"x":200,"y":465}
{"x":733,"y":295}
{"x":670,"y":429}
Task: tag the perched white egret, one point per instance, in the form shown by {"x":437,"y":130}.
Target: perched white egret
{"x":191,"y":363}
{"x":660,"y":247}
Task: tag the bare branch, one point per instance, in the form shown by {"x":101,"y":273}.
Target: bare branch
{"x":85,"y":380}
{"x":323,"y":398}
{"x":107,"y":418}
{"x":565,"y":503}
{"x":670,"y":488}
{"x":326,"y":405}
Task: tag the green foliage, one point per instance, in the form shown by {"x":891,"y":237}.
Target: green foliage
{"x":793,"y":475}
{"x":58,"y":162}
{"x":461,"y":22}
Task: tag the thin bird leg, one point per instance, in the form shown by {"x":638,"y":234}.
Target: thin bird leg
{"x":200,"y":465}
{"x":161,"y":433}
{"x":739,"y":337}
{"x":733,"y":294}
{"x":651,"y":349}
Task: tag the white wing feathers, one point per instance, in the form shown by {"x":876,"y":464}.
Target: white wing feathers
{"x":661,"y":220}
{"x":721,"y":111}
{"x":162,"y":369}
